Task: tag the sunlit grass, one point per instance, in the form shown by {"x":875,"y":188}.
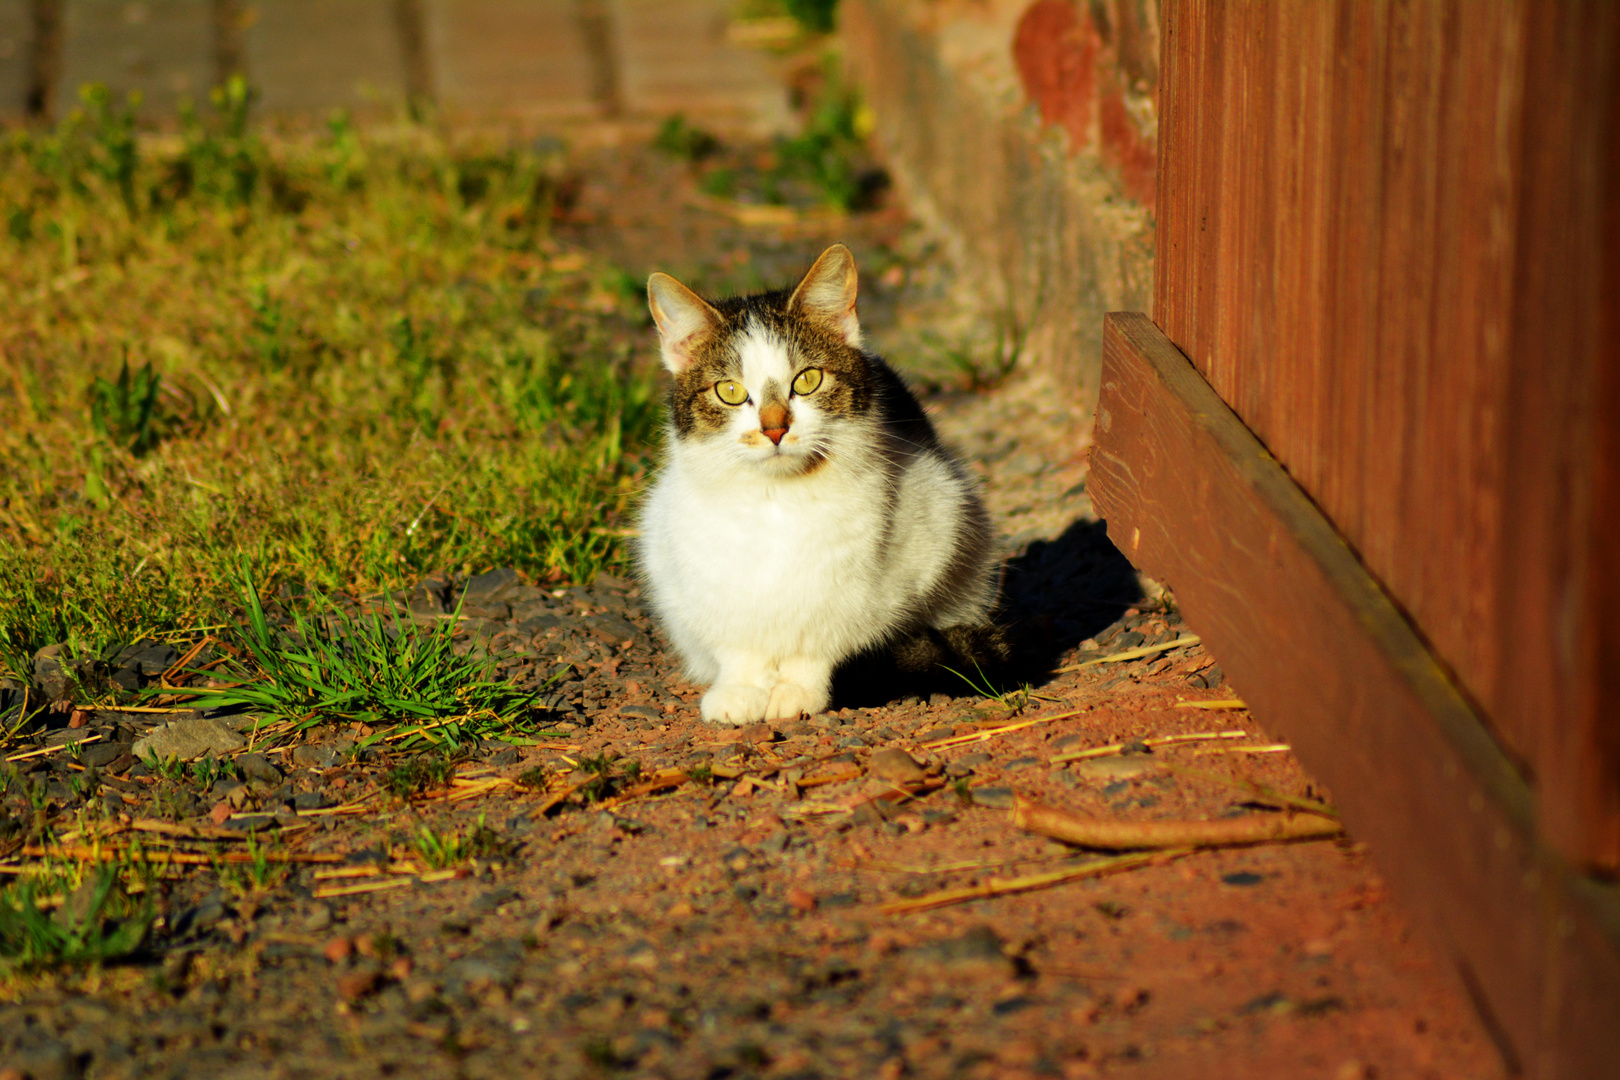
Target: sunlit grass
{"x":347,"y":359}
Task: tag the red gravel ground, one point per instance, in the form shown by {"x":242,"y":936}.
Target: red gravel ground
{"x":736,"y":923}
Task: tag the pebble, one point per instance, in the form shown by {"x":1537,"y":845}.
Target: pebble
{"x":312,"y":756}
{"x":358,"y":984}
{"x":895,"y":765}
{"x":338,"y":949}
{"x":188,"y":740}
{"x":258,"y":767}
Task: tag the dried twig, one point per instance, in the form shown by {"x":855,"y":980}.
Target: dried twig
{"x":42,"y":751}
{"x":1156,"y":740}
{"x":1267,"y":748}
{"x":1003,"y":886}
{"x":1134,"y":654}
{"x":179,"y":665}
{"x":1225,"y":703}
{"x":663,"y":780}
{"x":1139,"y":835}
{"x":367,"y":887}
{"x":991,"y":733}
{"x":188,"y":858}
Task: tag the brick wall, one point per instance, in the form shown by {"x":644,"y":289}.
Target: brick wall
{"x":1025,"y":132}
{"x":535,"y":60}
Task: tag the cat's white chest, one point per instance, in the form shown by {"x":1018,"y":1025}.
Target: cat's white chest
{"x":800,"y":537}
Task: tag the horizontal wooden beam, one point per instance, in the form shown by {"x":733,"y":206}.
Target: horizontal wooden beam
{"x":1326,"y":659}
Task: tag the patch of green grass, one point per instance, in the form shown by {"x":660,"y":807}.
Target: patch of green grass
{"x":442,"y":850}
{"x":376,"y":669}
{"x":829,"y":153}
{"x":1014,"y":700}
{"x":417,"y":776}
{"x":257,"y":875}
{"x":351,"y":358}
{"x":96,"y":923}
{"x":607,"y":776}
{"x":680,"y":139}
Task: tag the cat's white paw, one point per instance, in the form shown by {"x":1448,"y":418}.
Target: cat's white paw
{"x":789,"y":699}
{"x":735,"y":703}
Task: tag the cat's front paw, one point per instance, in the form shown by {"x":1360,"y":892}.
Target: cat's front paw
{"x":789,"y":699}
{"x":735,"y":703}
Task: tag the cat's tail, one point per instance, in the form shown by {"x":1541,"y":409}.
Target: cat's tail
{"x":970,"y":648}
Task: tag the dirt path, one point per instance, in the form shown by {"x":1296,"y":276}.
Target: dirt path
{"x":733,"y":922}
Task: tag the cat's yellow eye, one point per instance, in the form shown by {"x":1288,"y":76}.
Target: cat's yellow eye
{"x":730,"y":392}
{"x":807,"y":381}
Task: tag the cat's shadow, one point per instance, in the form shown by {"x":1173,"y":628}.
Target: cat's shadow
{"x":1055,"y":594}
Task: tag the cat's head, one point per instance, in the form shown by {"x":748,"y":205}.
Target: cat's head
{"x":775,"y":382}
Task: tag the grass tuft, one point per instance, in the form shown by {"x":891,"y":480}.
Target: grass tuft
{"x":380,"y":671}
{"x":97,"y":923}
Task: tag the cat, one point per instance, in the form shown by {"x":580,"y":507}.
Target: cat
{"x":807,"y":511}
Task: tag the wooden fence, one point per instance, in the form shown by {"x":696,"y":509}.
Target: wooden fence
{"x":1389,"y":242}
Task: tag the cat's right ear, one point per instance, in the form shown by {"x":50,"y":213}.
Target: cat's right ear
{"x":684,"y":319}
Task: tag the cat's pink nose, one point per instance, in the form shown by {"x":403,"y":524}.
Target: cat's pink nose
{"x":775,"y":434}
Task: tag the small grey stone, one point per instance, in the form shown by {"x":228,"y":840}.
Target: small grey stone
{"x":645,"y":712}
{"x":895,"y":765}
{"x":148,"y":658}
{"x":427,"y":598}
{"x":230,"y":789}
{"x":974,"y":761}
{"x":492,"y":584}
{"x":188,"y":740}
{"x":312,"y":756}
{"x":251,"y":822}
{"x":310,"y":800}
{"x":100,"y":755}
{"x":936,"y":700}
{"x":537,"y":624}
{"x":496,"y":964}
{"x":852,"y":741}
{"x":1128,"y":640}
{"x":996,"y":798}
{"x":492,"y":610}
{"x":258,"y":767}
{"x":318,"y":918}
{"x":614,"y":629}
{"x":1022,"y":763}
{"x":51,"y":674}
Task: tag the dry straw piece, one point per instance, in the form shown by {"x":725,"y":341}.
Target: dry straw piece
{"x":1140,"y":835}
{"x":1005,"y":886}
{"x":1134,"y":654}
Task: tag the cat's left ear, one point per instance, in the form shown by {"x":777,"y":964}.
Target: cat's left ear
{"x":684,"y":319}
{"x":827,"y":294}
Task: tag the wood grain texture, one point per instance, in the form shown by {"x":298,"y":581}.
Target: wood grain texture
{"x":1383,"y":229}
{"x":1326,"y":659}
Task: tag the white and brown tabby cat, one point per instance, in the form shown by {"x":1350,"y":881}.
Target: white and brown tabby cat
{"x":807,"y":511}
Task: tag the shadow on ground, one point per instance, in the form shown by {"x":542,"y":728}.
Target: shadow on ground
{"x":1055,"y":594}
